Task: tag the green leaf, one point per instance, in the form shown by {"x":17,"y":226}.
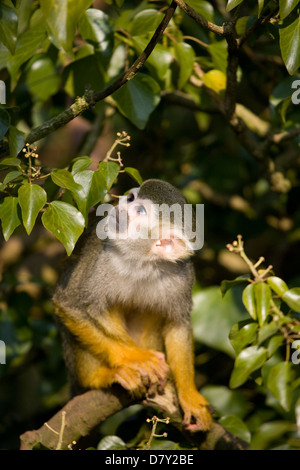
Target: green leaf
{"x":82,"y":72}
{"x":159,"y":61}
{"x":213,"y":330}
{"x":249,"y":300}
{"x":8,"y":27}
{"x":260,"y":7}
{"x":277,"y":285}
{"x":64,"y":179}
{"x":145,"y":21}
{"x":95,"y":28}
{"x":249,"y":360}
{"x":242,"y":334}
{"x":134,"y":173}
{"x":4,"y":122}
{"x":111,"y":443}
{"x":226,"y":285}
{"x":94,"y":184}
{"x":10,"y":161}
{"x":279,"y":383}
{"x":262,"y":293}
{"x":290,"y":45}
{"x":109,"y":171}
{"x":11,"y":176}
{"x":81,"y":164}
{"x":286,"y":6}
{"x":32,"y":199}
{"x":137,"y":99}
{"x":62,"y":17}
{"x":267,"y":330}
{"x":27,"y":44}
{"x":9,"y":216}
{"x":185,"y":55}
{"x":292,"y":298}
{"x":236,"y":426}
{"x":232,"y":4}
{"x":219,"y":53}
{"x":16,"y":141}
{"x":204,"y":8}
{"x":274,"y":343}
{"x":42,"y":78}
{"x":65,"y":222}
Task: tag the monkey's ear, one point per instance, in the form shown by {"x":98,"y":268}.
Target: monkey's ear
{"x":172,"y":248}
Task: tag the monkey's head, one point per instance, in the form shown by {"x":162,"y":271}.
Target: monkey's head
{"x":150,"y":223}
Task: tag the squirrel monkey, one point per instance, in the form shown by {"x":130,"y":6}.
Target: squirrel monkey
{"x":124,"y":303}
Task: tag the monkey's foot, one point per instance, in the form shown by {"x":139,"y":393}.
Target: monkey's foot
{"x":197,"y":416}
{"x":141,"y":369}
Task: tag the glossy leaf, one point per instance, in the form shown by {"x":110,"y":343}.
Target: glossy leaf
{"x":267,"y":330}
{"x":137,"y":99}
{"x":159,"y":61}
{"x":109,"y":171}
{"x":12,"y":176}
{"x":249,"y":360}
{"x":292,"y":298}
{"x":81,"y":73}
{"x":249,"y":300}
{"x":134,"y":173}
{"x":286,"y":6}
{"x":65,"y":222}
{"x":226,"y":285}
{"x":62,"y":17}
{"x":16,"y":141}
{"x":260,"y":7}
{"x":81,"y":164}
{"x":64,"y":179}
{"x":232,"y":4}
{"x":95,"y":28}
{"x":8,"y":27}
{"x":242,"y":335}
{"x":27,"y":44}
{"x":145,"y":21}
{"x":9,"y":216}
{"x":274,"y":343}
{"x":279,"y":383}
{"x":277,"y":285}
{"x":185,"y":55}
{"x":42,"y":78}
{"x":262,"y":294}
{"x":10,"y":161}
{"x":213,"y":330}
{"x":290,"y":45}
{"x":236,"y":426}
{"x":204,"y":8}
{"x":32,"y":199}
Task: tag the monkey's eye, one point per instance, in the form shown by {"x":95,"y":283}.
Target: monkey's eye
{"x":141,"y":210}
{"x":130,"y":197}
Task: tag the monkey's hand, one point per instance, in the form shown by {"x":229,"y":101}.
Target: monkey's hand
{"x":139,"y":370}
{"x":197,"y":416}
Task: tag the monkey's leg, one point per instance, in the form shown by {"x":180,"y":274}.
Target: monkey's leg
{"x":108,"y":341}
{"x":179,"y":348}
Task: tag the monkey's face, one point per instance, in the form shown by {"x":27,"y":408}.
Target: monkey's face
{"x":145,"y":229}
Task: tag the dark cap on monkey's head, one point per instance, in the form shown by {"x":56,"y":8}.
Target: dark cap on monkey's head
{"x":161,"y":192}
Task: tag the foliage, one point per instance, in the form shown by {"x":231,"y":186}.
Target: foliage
{"x":214,"y":111}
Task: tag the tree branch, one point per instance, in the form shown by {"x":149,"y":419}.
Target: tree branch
{"x":199,"y":18}
{"x":85,"y":412}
